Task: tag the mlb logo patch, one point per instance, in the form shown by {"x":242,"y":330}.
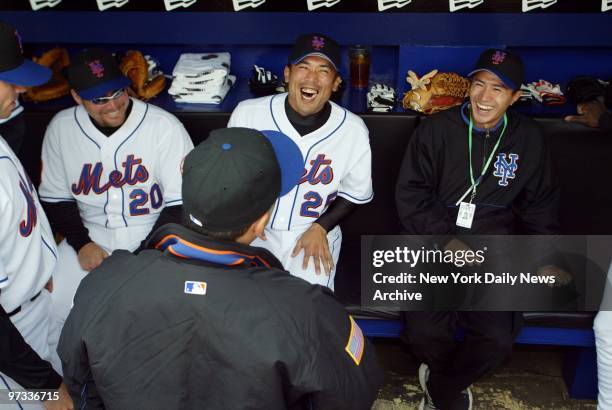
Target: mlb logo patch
{"x":195,"y":288}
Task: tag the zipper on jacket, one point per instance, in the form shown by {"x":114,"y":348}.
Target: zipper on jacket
{"x":484,"y":149}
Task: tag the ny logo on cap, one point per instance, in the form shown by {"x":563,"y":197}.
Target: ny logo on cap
{"x":107,"y":4}
{"x":498,"y":57}
{"x":463,"y":4}
{"x":243,"y":4}
{"x":318,"y":43}
{"x":606,"y":5}
{"x":316,"y":4}
{"x":96,"y":68}
{"x":387,"y":4}
{"x":39,"y":4}
{"x":174,"y":4}
{"x":537,"y":4}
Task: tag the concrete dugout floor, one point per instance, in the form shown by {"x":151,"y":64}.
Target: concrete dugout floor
{"x":530,"y":379}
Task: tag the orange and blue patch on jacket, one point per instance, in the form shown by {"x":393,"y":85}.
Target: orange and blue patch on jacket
{"x":187,"y":250}
{"x":356,"y":343}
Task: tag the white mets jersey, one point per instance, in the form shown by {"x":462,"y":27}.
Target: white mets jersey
{"x":120,"y":182}
{"x":27,"y":250}
{"x":337,"y":160}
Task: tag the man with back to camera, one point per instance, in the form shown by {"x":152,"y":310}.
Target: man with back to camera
{"x":500,"y":159}
{"x":203,"y":319}
{"x":111,"y":170}
{"x":27,"y":255}
{"x":337,"y":160}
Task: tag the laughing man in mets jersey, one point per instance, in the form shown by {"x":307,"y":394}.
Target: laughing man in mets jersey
{"x":303,"y":232}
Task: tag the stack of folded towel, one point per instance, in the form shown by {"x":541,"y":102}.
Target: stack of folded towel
{"x":201,"y":78}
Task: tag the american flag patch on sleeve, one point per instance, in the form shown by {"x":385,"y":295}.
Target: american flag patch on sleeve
{"x":355,"y":344}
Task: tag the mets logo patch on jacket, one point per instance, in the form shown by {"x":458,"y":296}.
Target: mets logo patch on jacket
{"x":505,"y":167}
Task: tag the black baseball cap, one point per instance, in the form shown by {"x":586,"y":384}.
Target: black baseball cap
{"x":94,"y":72}
{"x":315,"y":44}
{"x":235,"y":175}
{"x":505,"y":64}
{"x":14,"y":68}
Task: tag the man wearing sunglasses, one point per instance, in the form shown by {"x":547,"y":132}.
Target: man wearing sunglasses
{"x":111,"y":170}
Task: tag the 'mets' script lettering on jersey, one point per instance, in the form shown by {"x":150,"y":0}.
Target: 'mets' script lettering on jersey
{"x":27,"y":225}
{"x":320,"y":171}
{"x":133,"y":173}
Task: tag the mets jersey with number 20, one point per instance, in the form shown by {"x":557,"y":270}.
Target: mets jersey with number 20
{"x":120,"y":182}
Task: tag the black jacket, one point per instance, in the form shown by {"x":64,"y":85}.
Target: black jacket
{"x":435,"y":173}
{"x":255,"y":337}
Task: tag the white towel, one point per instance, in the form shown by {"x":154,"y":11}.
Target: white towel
{"x":205,"y":97}
{"x":193,"y":65}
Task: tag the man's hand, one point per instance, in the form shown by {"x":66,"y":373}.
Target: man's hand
{"x":589,"y":113}
{"x":91,"y":256}
{"x":314,"y":243}
{"x":562,"y":277}
{"x":64,"y":402}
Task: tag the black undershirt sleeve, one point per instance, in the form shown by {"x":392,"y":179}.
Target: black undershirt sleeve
{"x":20,"y":362}
{"x":337,"y":210}
{"x":64,"y":218}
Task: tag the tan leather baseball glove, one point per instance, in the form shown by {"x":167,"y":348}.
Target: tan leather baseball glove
{"x":435,"y":91}
{"x":135,"y":67}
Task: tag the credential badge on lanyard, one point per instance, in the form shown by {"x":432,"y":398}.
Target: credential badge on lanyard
{"x":467,"y":210}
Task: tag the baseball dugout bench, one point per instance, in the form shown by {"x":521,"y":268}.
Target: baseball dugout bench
{"x":581,"y":158}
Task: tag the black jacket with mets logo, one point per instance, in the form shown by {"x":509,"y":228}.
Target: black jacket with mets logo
{"x":518,"y":190}
{"x":203,"y":324}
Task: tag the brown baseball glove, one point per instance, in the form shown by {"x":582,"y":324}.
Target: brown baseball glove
{"x":56,"y":59}
{"x":435,"y":91}
{"x":135,"y":67}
